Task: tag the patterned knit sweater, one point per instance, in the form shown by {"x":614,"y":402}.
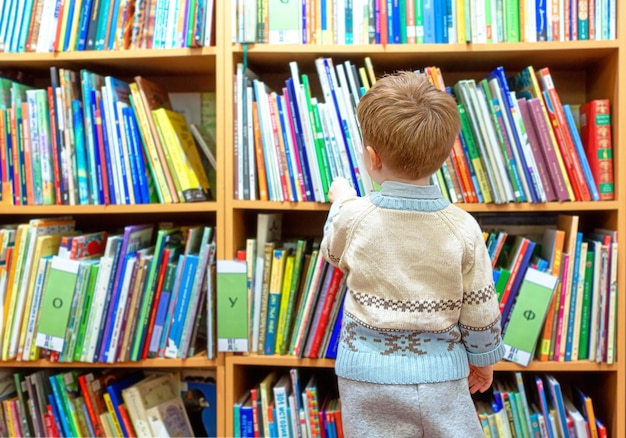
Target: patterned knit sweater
{"x":421,"y":301}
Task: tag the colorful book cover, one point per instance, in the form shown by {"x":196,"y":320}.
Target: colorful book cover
{"x":528,"y":315}
{"x":232,"y":306}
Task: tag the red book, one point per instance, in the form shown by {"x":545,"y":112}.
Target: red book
{"x":91,"y":408}
{"x":155,"y":302}
{"x":520,"y":247}
{"x":51,"y":426}
{"x":595,"y":128}
{"x":320,"y":329}
{"x":561,"y":131}
{"x":55,"y":146}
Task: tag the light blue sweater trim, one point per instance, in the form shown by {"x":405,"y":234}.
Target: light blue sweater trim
{"x":405,"y":357}
{"x":400,"y":196}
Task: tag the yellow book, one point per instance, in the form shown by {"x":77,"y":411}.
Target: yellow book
{"x":117,"y":429}
{"x":284,"y":302}
{"x":150,"y":392}
{"x":184,"y":159}
{"x":166,"y":136}
{"x":15,"y":268}
{"x":279,"y":259}
{"x":364,"y":80}
{"x":460,"y":22}
{"x":77,"y":6}
{"x":370,"y":70}
{"x":67,"y":6}
{"x":268,"y":252}
{"x":154,"y":162}
{"x":45,"y":246}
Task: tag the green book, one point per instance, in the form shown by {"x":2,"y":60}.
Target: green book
{"x":84,"y":317}
{"x":583,"y":341}
{"x":56,"y":304}
{"x":522,"y":331}
{"x":232,"y":306}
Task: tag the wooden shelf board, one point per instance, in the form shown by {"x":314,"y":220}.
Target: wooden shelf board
{"x":472,"y":208}
{"x":464,"y":57}
{"x":277,"y":360}
{"x":192,"y":362}
{"x":162,"y":62}
{"x":27,"y":210}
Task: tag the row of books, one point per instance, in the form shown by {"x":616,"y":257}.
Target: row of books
{"x":518,"y":143}
{"x":421,"y":21}
{"x":538,"y":406}
{"x":557,"y":291}
{"x":108,"y":403}
{"x":92,"y":139}
{"x":74,"y":25}
{"x":70,"y":296}
{"x":293,"y":404}
{"x":279,"y":297}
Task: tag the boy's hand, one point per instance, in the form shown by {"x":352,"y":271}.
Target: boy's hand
{"x":340,"y":188}
{"x":480,"y":378}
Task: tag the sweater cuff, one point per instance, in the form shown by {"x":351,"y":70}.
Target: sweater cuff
{"x":487,"y":358}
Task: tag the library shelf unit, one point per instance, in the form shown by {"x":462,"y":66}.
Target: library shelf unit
{"x":178,"y":70}
{"x":582,"y":70}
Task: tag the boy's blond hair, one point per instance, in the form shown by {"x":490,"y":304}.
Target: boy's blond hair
{"x":409,"y":122}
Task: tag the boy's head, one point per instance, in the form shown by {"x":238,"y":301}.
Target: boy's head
{"x":409,"y":123}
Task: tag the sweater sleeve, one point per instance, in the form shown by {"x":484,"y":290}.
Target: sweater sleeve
{"x":336,"y":230}
{"x":480,"y":314}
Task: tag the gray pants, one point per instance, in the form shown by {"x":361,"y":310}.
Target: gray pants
{"x":428,"y":410}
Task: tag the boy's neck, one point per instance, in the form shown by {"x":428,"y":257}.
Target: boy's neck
{"x":416,"y":182}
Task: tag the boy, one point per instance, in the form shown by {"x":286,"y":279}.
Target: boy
{"x":421,"y":312}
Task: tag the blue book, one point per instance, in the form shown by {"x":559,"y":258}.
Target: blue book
{"x":509,"y":111}
{"x":118,"y":92}
{"x":144,"y":177}
{"x":131,"y":151}
{"x":23,"y":36}
{"x":62,"y":415}
{"x":135,"y":237}
{"x":569,"y":339}
{"x":293,"y":173}
{"x":56,"y":414}
{"x":204,"y":420}
{"x":429,"y":21}
{"x":99,"y":161}
{"x":182,"y":304}
{"x":114,"y":310}
{"x":107,"y":151}
{"x":83,"y":27}
{"x":556,"y":398}
{"x":441,"y":22}
{"x":81,"y":153}
{"x":112,"y":23}
{"x":333,"y":343}
{"x":300,"y":145}
{"x":541,"y":17}
{"x":115,"y":392}
{"x":64,"y":44}
{"x":88,"y":120}
{"x":167,"y":323}
{"x":162,"y":307}
{"x":343,"y":123}
{"x":580,"y":153}
{"x":246,"y":419}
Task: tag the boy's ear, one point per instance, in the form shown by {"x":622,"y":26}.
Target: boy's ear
{"x":375,"y":161}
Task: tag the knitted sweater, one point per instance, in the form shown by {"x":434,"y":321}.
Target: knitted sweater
{"x":421,"y":301}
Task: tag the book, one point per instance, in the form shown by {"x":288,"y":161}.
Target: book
{"x":56,"y":301}
{"x":528,"y":315}
{"x":169,"y":418}
{"x":595,"y":132}
{"x":232,"y":306}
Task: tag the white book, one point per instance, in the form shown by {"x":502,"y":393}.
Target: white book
{"x":239,"y":80}
{"x":498,"y":93}
{"x":530,"y":11}
{"x":282,"y":391}
{"x":114,"y":164}
{"x":307,"y":134}
{"x":269,"y":151}
{"x":252,"y":171}
{"x":491,"y":141}
{"x":94,"y":326}
{"x":121,"y":306}
{"x":208,"y":24}
{"x":125,"y":150}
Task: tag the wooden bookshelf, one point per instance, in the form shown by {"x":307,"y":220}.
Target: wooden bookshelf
{"x":582,"y":70}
